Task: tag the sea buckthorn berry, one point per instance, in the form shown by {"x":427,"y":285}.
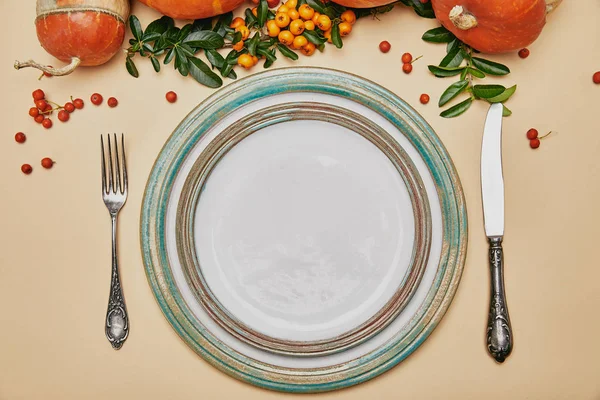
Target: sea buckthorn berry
{"x":255,"y":12}
{"x":286,"y":37}
{"x":299,"y":42}
{"x":596,"y":78}
{"x":38,"y":94}
{"x":237,"y":21}
{"x":327,"y":35}
{"x":532,"y":134}
{"x":345,"y":28}
{"x":524,"y":53}
{"x":535,"y":143}
{"x":297,"y":27}
{"x":171,"y":96}
{"x":424,"y":99}
{"x":243,"y":29}
{"x":283,"y":9}
{"x":272,"y":28}
{"x":308,"y":49}
{"x":78,"y":103}
{"x":293,"y":14}
{"x":272,"y":3}
{"x":315,"y":18}
{"x":406,"y":58}
{"x":306,"y":12}
{"x":47,"y":162}
{"x":348,"y":16}
{"x":47,"y":123}
{"x":238,"y":46}
{"x":63,"y":116}
{"x":255,"y":60}
{"x":26,"y":169}
{"x":385,"y":46}
{"x":96,"y":99}
{"x":407,"y":68}
{"x":69,"y":107}
{"x":282,"y":20}
{"x":324,"y":23}
{"x":34,"y":112}
{"x":20,"y":137}
{"x":39,"y":119}
{"x":246,"y":61}
{"x":291,"y":4}
{"x":309,"y":25}
{"x":112,"y":102}
{"x":41,"y":104}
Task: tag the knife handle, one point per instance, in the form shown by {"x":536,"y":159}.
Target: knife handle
{"x":499,"y":330}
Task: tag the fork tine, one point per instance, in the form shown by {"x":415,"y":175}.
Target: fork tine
{"x":110,"y":167}
{"x":103,"y":165}
{"x":117,"y":166}
{"x":124,"y":163}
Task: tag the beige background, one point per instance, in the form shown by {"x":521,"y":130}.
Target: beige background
{"x":55,"y":242}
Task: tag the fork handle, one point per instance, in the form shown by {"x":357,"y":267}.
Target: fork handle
{"x":117,"y":319}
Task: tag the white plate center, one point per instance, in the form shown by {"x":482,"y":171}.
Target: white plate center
{"x":304,"y":230}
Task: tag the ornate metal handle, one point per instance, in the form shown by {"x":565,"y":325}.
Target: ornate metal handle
{"x":117,"y":319}
{"x":499,"y":331}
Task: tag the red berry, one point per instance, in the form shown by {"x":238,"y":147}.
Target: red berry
{"x":407,"y":68}
{"x":47,"y":162}
{"x":385,"y":46}
{"x":39,"y":119}
{"x":596,"y":78}
{"x":69,"y":107}
{"x":532,"y":134}
{"x":48,"y":109}
{"x":424,"y":99}
{"x":406,"y":58}
{"x":34,"y":112}
{"x":41,"y":104}
{"x":63,"y":115}
{"x":38,"y":94}
{"x":524,"y":53}
{"x":78,"y":103}
{"x":424,"y":1}
{"x":49,"y":75}
{"x":96,"y":99}
{"x":47,"y":123}
{"x":171,"y":97}
{"x":20,"y":137}
{"x":112,"y":102}
{"x":272,"y":3}
{"x":26,"y":169}
{"x":535,"y":143}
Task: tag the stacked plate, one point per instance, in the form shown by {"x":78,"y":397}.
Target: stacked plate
{"x":303,"y":229}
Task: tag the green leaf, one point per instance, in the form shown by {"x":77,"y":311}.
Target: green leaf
{"x":490,"y":67}
{"x":253,"y":43}
{"x":287,"y":52}
{"x":181,"y":61}
{"x":476,"y":73}
{"x":269,"y":54}
{"x":150,"y":36}
{"x":203,"y":74}
{"x":335,"y":36}
{"x":169,"y":56}
{"x":458,"y":109}
{"x":314,"y":37}
{"x":250,"y":18}
{"x":187,"y":50}
{"x":317,"y":5}
{"x":300,"y":2}
{"x":136,"y":27}
{"x":454,"y":43}
{"x":331,"y":12}
{"x":453,"y":90}
{"x":422,"y":9}
{"x":184,"y":32}
{"x":204,"y":40}
{"x":442,"y":72}
{"x":488,"y":91}
{"x":223,"y":23}
{"x":171,"y":36}
{"x":506,"y":111}
{"x":261,"y":12}
{"x":202,"y":24}
{"x":131,"y":68}
{"x":148,"y":47}
{"x":453,"y":59}
{"x":234,"y":38}
{"x":155,"y":63}
{"x":227,"y":69}
{"x":502,"y":97}
{"x":463,"y":75}
{"x":159,"y":26}
{"x":438,"y":35}
{"x":215,"y":58}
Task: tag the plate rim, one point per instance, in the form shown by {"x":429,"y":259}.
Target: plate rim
{"x":438,"y":298}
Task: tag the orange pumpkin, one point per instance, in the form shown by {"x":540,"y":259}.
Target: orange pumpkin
{"x":494,"y":26}
{"x":192,"y":9}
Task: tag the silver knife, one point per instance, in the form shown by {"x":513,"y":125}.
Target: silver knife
{"x":499,"y":330}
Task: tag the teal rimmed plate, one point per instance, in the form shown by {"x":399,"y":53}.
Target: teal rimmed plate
{"x":303,"y":230}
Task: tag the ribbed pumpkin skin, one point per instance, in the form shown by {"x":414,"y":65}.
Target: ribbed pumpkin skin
{"x":192,"y":9}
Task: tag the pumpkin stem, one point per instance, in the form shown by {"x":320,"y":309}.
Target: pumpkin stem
{"x":66,"y":70}
{"x":462,"y":19}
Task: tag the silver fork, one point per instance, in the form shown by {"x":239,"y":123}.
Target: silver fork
{"x":114,"y":194}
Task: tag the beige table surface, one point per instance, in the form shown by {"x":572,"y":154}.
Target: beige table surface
{"x":55,"y":242}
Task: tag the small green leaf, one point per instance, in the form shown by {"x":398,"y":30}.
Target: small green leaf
{"x":253,"y":43}
{"x":204,"y":40}
{"x":287,"y":52}
{"x":203,"y":74}
{"x":488,"y":91}
{"x":250,"y":18}
{"x":159,"y":26}
{"x":442,"y":72}
{"x":317,"y":5}
{"x":215,"y":58}
{"x":438,"y":35}
{"x":458,"y":109}
{"x":202,"y":24}
{"x":223,"y":23}
{"x":476,"y":73}
{"x":502,"y":97}
{"x":463,"y":75}
{"x":314,"y":38}
{"x":300,"y":2}
{"x":453,"y":59}
{"x":136,"y":27}
{"x":184,"y":32}
{"x":422,"y":9}
{"x":169,"y":56}
{"x":187,"y":50}
{"x":505,"y":111}
{"x":148,"y":47}
{"x":335,"y":36}
{"x":181,"y":61}
{"x":454,"y":43}
{"x":150,"y":36}
{"x":155,"y":63}
{"x":453,"y":90}
{"x":490,"y":67}
{"x":261,"y":12}
{"x":227,"y":69}
{"x":269,"y":54}
{"x":131,"y":68}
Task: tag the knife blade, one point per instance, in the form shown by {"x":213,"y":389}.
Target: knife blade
{"x":499,"y":330}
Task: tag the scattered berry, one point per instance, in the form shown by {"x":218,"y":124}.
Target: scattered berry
{"x":535,"y":143}
{"x":532,"y":134}
{"x":96,"y":99}
{"x":41,"y":104}
{"x":63,"y":115}
{"x":406,"y":58}
{"x":385,"y":46}
{"x":596,"y":78}
{"x":424,"y":99}
{"x":39,"y":119}
{"x":407,"y":68}
{"x":47,"y":123}
{"x":524,"y":53}
{"x":34,"y":112}
{"x":112,"y":102}
{"x":47,"y":162}
{"x":69,"y":107}
{"x":38,"y":94}
{"x":78,"y":103}
{"x":26,"y":169}
{"x":171,"y":97}
{"x":20,"y":137}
